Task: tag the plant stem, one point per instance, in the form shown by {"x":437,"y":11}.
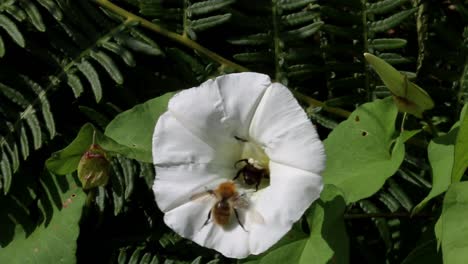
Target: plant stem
{"x":184,"y":40}
{"x":386,"y":215}
{"x":366,"y":49}
{"x":170,"y":35}
{"x":313,"y":102}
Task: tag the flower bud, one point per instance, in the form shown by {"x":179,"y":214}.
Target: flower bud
{"x":93,"y":169}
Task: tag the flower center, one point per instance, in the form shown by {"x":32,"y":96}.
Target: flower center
{"x":253,"y":168}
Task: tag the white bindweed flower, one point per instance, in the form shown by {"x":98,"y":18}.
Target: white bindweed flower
{"x":198,"y":144}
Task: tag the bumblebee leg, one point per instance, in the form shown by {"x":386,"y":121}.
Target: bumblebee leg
{"x":239,"y":161}
{"x":207,"y":218}
{"x":238,"y":220}
{"x":238,"y":174}
{"x":256,"y":185}
{"x":240,"y":139}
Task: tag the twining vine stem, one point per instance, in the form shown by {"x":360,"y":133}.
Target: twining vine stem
{"x":184,"y":40}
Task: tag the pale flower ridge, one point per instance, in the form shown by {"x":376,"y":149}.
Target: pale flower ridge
{"x":206,"y":131}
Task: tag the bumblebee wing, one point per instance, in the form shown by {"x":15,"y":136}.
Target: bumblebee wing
{"x":203,"y":196}
{"x":240,"y":202}
{"x":255,"y":217}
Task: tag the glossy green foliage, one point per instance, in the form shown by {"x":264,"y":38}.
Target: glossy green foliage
{"x":361,"y":146}
{"x":53,"y":240}
{"x":460,"y":163}
{"x":454,"y":225}
{"x":441,"y":156}
{"x":134,"y":128}
{"x":408,"y":96}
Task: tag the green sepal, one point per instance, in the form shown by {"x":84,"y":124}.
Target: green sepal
{"x":93,"y":169}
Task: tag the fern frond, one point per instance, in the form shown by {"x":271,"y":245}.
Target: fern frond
{"x":108,"y":64}
{"x":390,"y":22}
{"x":204,"y":7}
{"x":302,"y":32}
{"x":33,"y":14}
{"x":208,"y":22}
{"x":384,"y":6}
{"x":381,"y":224}
{"x":53,"y":9}
{"x":93,"y":78}
{"x":26,"y":120}
{"x":5,"y":168}
{"x":290,"y":23}
{"x":45,"y":106}
{"x":12,"y":30}
{"x":75,"y":83}
{"x":96,"y":117}
{"x":126,"y":55}
{"x":387,"y":44}
{"x":292,"y":4}
{"x":392,"y":204}
{"x":393,"y":58}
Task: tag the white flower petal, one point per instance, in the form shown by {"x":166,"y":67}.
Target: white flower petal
{"x":233,"y":243}
{"x":173,"y":144}
{"x":174,"y":185}
{"x":290,"y":193}
{"x":195,"y":148}
{"x":188,"y":221}
{"x":241,"y":93}
{"x":282,"y":127}
{"x":220,"y":108}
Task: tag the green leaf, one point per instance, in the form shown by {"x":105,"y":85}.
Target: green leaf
{"x":75,"y":83}
{"x":384,"y":6}
{"x":289,"y":253}
{"x":126,"y":56}
{"x":390,"y":22}
{"x":208,"y":6}
{"x":295,"y":234}
{"x":454,"y":229}
{"x":66,"y":160}
{"x":209,"y":22}
{"x":408,"y":96}
{"x":2,"y":47}
{"x":12,"y":30}
{"x":54,"y":242}
{"x":134,"y":127}
{"x":302,"y":32}
{"x":363,"y":152}
{"x":300,"y":17}
{"x":253,"y":40}
{"x":460,"y":162}
{"x":440,"y":152}
{"x":108,"y":64}
{"x":90,"y":73}
{"x":387,"y":43}
{"x":328,"y":239}
{"x":33,"y":14}
{"x":6,"y":172}
{"x":393,"y":58}
{"x":53,"y":9}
